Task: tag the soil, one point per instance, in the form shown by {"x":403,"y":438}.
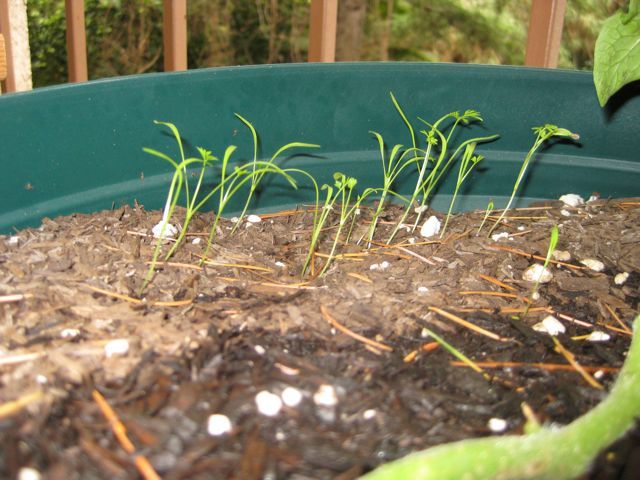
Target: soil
{"x":208,"y":339}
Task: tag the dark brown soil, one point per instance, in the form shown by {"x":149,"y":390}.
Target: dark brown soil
{"x":206,"y":340}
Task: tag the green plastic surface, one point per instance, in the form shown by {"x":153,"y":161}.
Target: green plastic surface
{"x":78,"y":148}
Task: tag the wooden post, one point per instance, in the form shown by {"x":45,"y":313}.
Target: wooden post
{"x":322,"y":30}
{"x":17,"y":57}
{"x":3,"y":61}
{"x":545,"y":33}
{"x":76,"y":41}
{"x":175,"y":35}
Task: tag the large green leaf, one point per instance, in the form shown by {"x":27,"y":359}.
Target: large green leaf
{"x":617,"y":53}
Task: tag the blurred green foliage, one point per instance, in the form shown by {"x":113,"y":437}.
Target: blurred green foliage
{"x":125,"y":36}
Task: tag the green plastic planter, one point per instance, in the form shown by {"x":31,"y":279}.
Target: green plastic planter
{"x":78,"y":148}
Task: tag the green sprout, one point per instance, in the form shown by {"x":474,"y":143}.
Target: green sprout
{"x":180,"y":177}
{"x":453,"y":350}
{"x":178,"y":180}
{"x":469,"y":160}
{"x":553,"y":242}
{"x":543,"y":134}
{"x":426,"y":158}
{"x":487,"y":212}
{"x":232,"y":183}
{"x":391,"y":169}
{"x":343,"y":190}
{"x":229,"y":183}
{"x":546,"y":453}
{"x":256,"y":177}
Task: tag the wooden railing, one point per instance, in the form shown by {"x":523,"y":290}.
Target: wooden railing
{"x":542,"y":50}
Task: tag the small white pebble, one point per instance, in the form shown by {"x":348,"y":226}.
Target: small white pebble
{"x":422,"y":290}
{"x":565,"y":213}
{"x":41,"y":379}
{"x":170,"y":231}
{"x":268,"y":403}
{"x":593,"y":264}
{"x":497,"y":425}
{"x":572,"y":200}
{"x":561,"y":255}
{"x":497,"y":236}
{"x":69,"y":333}
{"x":521,"y":228}
{"x":412,"y":240}
{"x":593,"y":198}
{"x":280,"y":264}
{"x":537,"y":273}
{"x":369,"y":414}
{"x":431,"y":227}
{"x":13,"y":240}
{"x":291,"y":396}
{"x":407,"y":228}
{"x":535,"y":296}
{"x":380,"y":266}
{"x":259,"y":349}
{"x":357,"y":211}
{"x":550,"y":325}
{"x":196,"y":241}
{"x":218,"y":424}
{"x":598,"y":375}
{"x":421,"y":208}
{"x":598,"y":336}
{"x":28,"y":473}
{"x":424,"y":333}
{"x":234,"y":219}
{"x":621,"y":278}
{"x":325,"y":396}
{"x":119,"y":346}
{"x":254,"y":219}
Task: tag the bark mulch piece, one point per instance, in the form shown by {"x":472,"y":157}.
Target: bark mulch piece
{"x":372,"y":385}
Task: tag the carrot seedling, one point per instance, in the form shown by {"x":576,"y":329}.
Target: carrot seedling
{"x":487,"y":212}
{"x":543,"y":134}
{"x":435,"y":160}
{"x":256,"y":177}
{"x":392,"y":166}
{"x":553,"y":243}
{"x":469,"y":160}
{"x":228,"y":184}
{"x":342,"y":189}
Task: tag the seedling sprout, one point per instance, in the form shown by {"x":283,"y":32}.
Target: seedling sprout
{"x":543,"y":134}
{"x":343,"y":190}
{"x":487,"y":212}
{"x":553,"y":243}
{"x":256,"y":177}
{"x":469,"y":160}
{"x":424,"y":158}
{"x":228,"y":185}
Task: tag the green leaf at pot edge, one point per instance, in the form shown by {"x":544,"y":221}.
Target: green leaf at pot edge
{"x":617,"y":54}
